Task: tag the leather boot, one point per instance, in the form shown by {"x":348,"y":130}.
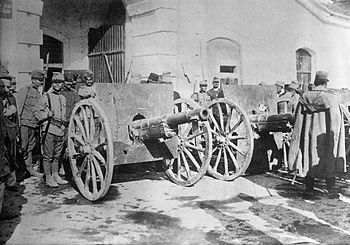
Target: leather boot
{"x":29,"y":165}
{"x":55,"y":175}
{"x":58,"y":179}
{"x":34,"y":173}
{"x":50,"y":182}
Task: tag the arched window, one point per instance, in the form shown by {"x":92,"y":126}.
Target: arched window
{"x":224,"y":60}
{"x":303,"y":65}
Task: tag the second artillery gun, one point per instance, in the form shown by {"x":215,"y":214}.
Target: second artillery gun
{"x":134,"y":123}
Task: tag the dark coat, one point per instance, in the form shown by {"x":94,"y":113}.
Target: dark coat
{"x":4,"y":165}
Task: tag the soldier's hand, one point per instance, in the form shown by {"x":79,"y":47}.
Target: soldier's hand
{"x":50,"y":114}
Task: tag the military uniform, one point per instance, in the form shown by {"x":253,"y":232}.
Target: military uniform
{"x":202,"y":98}
{"x":88,"y":90}
{"x":4,"y":165}
{"x":10,"y":138}
{"x":55,"y":126}
{"x":27,"y":98}
{"x":215,"y":93}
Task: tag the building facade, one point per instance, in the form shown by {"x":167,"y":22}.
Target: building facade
{"x":240,"y":41}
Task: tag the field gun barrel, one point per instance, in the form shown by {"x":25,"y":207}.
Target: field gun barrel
{"x":164,"y":126}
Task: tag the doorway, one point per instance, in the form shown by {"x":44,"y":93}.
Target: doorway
{"x":51,"y":52}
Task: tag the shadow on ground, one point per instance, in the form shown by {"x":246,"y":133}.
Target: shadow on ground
{"x":10,"y":215}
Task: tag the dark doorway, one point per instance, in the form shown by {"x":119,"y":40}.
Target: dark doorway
{"x":51,"y":52}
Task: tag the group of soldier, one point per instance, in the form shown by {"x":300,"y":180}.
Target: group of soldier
{"x":203,"y":97}
{"x":29,"y":118}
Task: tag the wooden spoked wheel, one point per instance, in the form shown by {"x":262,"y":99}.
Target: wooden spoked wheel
{"x":232,"y":140}
{"x":90,"y":149}
{"x":346,"y":118}
{"x":193,"y":150}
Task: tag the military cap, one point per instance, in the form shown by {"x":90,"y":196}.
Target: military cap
{"x":57,"y":77}
{"x":203,"y":83}
{"x":38,"y":74}
{"x":292,"y":86}
{"x":321,"y":76}
{"x":216,"y":80}
{"x":88,"y":74}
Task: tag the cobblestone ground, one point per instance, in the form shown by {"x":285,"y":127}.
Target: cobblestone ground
{"x":146,"y":208}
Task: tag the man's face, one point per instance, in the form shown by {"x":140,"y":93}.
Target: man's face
{"x":57,"y":86}
{"x":37,"y":83}
{"x":215,"y":85}
{"x":7,"y":85}
{"x":203,"y":88}
{"x":89,"y":81}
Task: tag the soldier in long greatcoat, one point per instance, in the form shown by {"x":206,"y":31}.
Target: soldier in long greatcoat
{"x":318,"y":142}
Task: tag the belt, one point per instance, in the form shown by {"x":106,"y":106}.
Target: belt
{"x":58,"y":123}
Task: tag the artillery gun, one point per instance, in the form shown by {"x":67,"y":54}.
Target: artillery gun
{"x":134,"y":123}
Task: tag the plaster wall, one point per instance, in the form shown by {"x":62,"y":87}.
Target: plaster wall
{"x":268,"y":33}
{"x":21,"y":38}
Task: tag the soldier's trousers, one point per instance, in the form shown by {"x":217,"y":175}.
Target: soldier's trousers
{"x":28,"y":143}
{"x":52,"y":149}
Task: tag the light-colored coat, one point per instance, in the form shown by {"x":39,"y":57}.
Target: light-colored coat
{"x":318,"y":141}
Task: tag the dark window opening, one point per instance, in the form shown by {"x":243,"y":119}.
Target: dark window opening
{"x":227,"y":69}
{"x":54,"y":47}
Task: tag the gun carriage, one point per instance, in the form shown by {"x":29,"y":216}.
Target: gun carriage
{"x":134,"y":123}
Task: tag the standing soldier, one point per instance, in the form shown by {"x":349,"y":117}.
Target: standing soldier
{"x":72,"y":98}
{"x":88,"y":90}
{"x":27,"y":98}
{"x":11,"y":133}
{"x":317,"y":147}
{"x":201,"y":97}
{"x":215,"y":92}
{"x":4,"y":165}
{"x":51,"y":113}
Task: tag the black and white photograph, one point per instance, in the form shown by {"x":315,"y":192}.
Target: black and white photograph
{"x":177,"y":122}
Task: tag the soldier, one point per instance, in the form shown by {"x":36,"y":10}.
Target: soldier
{"x":4,"y":165}
{"x":72,"y":98}
{"x":201,"y":97}
{"x":279,"y":88}
{"x":317,"y":147}
{"x":27,"y":98}
{"x":51,"y":113}
{"x":215,"y":92}
{"x":88,"y":90}
{"x":12,"y":128}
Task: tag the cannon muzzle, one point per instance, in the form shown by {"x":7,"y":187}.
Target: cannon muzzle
{"x":165,"y":126}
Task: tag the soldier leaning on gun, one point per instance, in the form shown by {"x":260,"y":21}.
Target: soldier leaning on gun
{"x":27,"y":98}
{"x":51,"y":113}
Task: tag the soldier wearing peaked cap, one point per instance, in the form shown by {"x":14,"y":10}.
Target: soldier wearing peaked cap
{"x":201,"y":97}
{"x":88,"y":90}
{"x":51,"y":114}
{"x":317,"y":147}
{"x":216,"y":92}
{"x":27,"y":98}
